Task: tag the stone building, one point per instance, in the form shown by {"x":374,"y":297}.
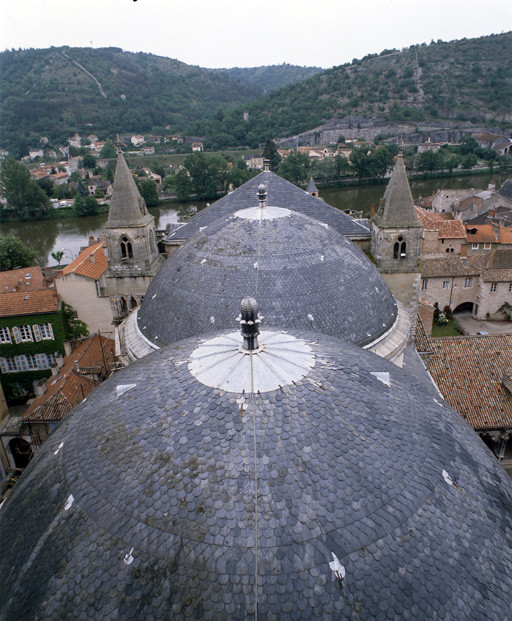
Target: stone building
{"x":481,"y":283}
{"x":133,"y":257}
{"x":83,"y":285}
{"x":396,"y":239}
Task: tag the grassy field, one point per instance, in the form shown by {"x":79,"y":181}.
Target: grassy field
{"x":449,"y":329}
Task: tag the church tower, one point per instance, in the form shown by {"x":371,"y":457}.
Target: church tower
{"x":133,"y":256}
{"x":396,"y":239}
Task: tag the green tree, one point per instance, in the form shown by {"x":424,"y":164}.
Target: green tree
{"x":428,"y":160}
{"x":270,"y":153}
{"x":23,"y":194}
{"x":296,"y":167}
{"x":149,"y":192}
{"x":85,"y":206}
{"x":14,"y":254}
{"x":207,"y":174}
{"x":89,"y":161}
{"x":381,"y":160}
{"x":108,"y":150}
{"x":451,"y":161}
{"x":182,"y":185}
{"x":469,"y":160}
{"x":81,"y":188}
{"x":57,"y":256}
{"x":47,"y":185}
{"x":75,"y":328}
{"x":360,"y":161}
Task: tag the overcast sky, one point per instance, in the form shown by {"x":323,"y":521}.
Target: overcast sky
{"x":249,"y":33}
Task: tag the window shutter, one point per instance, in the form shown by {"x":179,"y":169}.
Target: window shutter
{"x":42,"y":361}
{"x":21,"y":363}
{"x":3,"y":365}
{"x":50,"y":332}
{"x":37,"y":332}
{"x":17,"y":335}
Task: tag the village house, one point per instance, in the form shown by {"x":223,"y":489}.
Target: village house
{"x":481,"y":284}
{"x":254,"y":162}
{"x":137,"y":140}
{"x":197,"y":146}
{"x":147,"y":151}
{"x":90,"y":362}
{"x":60,"y":178}
{"x":82,"y":285}
{"x":474,"y":375}
{"x":440,"y":235}
{"x":32,"y":332}
{"x":486,"y":237}
{"x":35,"y":153}
{"x":75,"y":141}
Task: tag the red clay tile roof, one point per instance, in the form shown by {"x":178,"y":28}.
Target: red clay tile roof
{"x":468,"y":371}
{"x":23,"y":279}
{"x":480,"y":233}
{"x":31,"y":303}
{"x":84,"y":266}
{"x":447,"y":229}
{"x":69,"y":387}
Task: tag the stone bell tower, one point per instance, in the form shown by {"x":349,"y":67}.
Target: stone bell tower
{"x":133,"y":256}
{"x":396,"y":240}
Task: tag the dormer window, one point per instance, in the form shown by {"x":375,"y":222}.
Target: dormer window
{"x":126,"y":248}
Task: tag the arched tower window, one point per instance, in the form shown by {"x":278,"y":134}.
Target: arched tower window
{"x":126,"y":248}
{"x":400,"y":248}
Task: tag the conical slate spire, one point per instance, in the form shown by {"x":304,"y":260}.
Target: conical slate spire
{"x":127,"y":207}
{"x":311,"y":186}
{"x":398,"y":210}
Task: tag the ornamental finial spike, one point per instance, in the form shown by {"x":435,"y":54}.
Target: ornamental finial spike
{"x":249,"y":323}
{"x":262,"y":195}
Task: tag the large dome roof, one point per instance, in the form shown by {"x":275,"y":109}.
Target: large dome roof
{"x":164,"y":497}
{"x":304,"y":274}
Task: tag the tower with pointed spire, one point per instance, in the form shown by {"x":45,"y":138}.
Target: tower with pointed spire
{"x":133,"y":255}
{"x":396,"y":239}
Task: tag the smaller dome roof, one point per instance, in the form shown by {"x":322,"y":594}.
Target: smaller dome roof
{"x":303,"y":274}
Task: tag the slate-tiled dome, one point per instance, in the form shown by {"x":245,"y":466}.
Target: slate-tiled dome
{"x":303,"y":273}
{"x":162,"y":497}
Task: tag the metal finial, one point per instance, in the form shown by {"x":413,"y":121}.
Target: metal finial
{"x":262,"y":195}
{"x":118,"y":144}
{"x":249,"y":323}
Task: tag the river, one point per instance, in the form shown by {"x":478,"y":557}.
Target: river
{"x":70,"y":234}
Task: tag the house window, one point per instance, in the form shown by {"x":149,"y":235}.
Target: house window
{"x":487,"y":246}
{"x":31,"y":362}
{"x":493,"y":287}
{"x":21,"y":363}
{"x":43,"y":332}
{"x":52,"y":358}
{"x":5,"y":334}
{"x":424,"y":284}
{"x":510,"y":287}
{"x":42,"y":361}
{"x":22,"y":334}
{"x":8,"y":365}
{"x":474,"y":246}
{"x":445,"y":284}
{"x":3,"y":365}
{"x":467,"y":283}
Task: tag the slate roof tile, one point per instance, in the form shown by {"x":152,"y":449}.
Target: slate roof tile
{"x":416,"y":539}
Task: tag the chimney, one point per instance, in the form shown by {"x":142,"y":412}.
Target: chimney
{"x":40,"y":388}
{"x":92,"y":241}
{"x":491,"y":213}
{"x":105,"y":250}
{"x":91,"y":258}
{"x":373,"y":211}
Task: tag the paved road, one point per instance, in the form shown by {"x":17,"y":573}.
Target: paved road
{"x":474,"y":326}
